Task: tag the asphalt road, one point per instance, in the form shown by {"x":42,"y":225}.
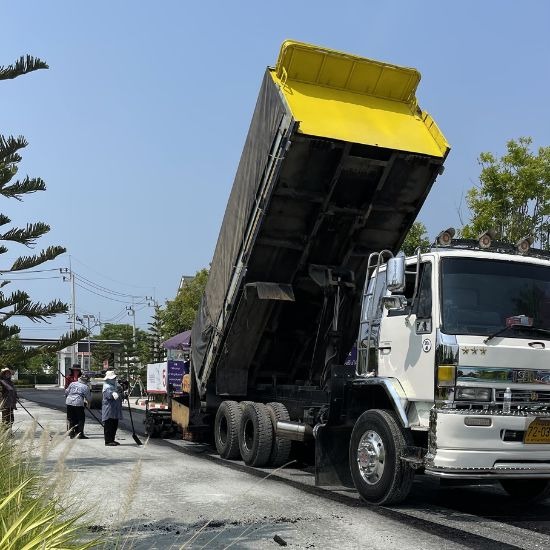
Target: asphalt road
{"x":480,"y":516}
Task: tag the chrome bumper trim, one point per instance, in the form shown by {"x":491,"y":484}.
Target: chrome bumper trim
{"x":543,"y":472}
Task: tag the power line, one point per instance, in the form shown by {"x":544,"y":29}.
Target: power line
{"x":103,"y":296}
{"x":117,"y":317}
{"x":14,"y":279}
{"x":84,"y":280}
{"x":109,"y":278}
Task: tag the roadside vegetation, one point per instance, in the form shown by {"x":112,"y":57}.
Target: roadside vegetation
{"x":34,"y":507}
{"x":512,"y":198}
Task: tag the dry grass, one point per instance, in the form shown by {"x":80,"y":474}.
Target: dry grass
{"x":35,"y":512}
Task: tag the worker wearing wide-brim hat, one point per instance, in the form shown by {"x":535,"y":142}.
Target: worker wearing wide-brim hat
{"x":8,"y":398}
{"x":111,"y":407}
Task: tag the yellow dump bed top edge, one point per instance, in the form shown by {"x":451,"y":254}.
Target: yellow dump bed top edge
{"x":302,"y":70}
{"x":311,"y":64}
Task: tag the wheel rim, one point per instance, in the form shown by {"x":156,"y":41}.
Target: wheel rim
{"x":371,"y":457}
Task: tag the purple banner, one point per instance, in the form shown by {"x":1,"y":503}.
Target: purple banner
{"x":176,"y":370}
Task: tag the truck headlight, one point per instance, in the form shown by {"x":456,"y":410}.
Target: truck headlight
{"x":473,"y":394}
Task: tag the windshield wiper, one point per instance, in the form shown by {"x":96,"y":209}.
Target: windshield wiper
{"x":517,"y":327}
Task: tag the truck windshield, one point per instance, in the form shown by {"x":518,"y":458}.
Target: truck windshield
{"x":481,"y":296}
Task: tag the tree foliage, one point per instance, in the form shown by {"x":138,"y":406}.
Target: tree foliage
{"x":156,"y":350}
{"x":513,"y":195}
{"x":133,"y":354}
{"x":43,"y":363}
{"x":12,"y":353}
{"x":101,"y":353}
{"x":417,"y":237}
{"x":179,"y":313}
{"x":18,"y":303}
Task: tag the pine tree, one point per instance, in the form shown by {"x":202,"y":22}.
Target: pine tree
{"x":155,"y":340}
{"x":18,"y":303}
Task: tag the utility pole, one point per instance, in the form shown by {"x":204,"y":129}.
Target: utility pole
{"x":132,"y":312}
{"x":68,"y":275}
{"x":88,"y":317}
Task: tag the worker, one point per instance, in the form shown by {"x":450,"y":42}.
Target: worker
{"x":111,"y":407}
{"x":73,"y":376}
{"x":78,"y":396}
{"x":8,"y":398}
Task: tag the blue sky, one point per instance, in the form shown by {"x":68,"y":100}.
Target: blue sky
{"x":138,"y":126}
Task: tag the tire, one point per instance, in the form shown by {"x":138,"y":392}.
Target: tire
{"x":280,"y":449}
{"x":379,"y":474}
{"x":255,"y":434}
{"x":527,"y":491}
{"x":226,"y":429}
{"x":151,"y":428}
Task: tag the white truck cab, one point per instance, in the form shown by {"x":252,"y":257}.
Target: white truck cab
{"x":460,"y":337}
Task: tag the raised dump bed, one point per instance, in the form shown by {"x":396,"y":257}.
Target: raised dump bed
{"x":338,"y":161}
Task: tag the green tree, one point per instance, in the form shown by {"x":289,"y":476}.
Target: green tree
{"x":43,"y":363}
{"x":179,"y":313}
{"x":12,"y":353}
{"x":101,"y":352}
{"x":416,"y":237}
{"x":18,"y":303}
{"x":156,"y":351}
{"x":133,"y":354}
{"x":513,"y":195}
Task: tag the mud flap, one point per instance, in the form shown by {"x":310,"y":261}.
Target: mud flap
{"x":332,"y":456}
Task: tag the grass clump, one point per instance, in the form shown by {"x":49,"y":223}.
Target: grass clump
{"x":32,"y":512}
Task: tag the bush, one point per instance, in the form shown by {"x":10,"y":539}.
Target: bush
{"x":32,"y":513}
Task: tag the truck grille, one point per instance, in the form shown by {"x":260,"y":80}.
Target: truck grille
{"x":531,"y":397}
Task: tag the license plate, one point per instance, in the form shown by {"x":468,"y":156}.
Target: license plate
{"x":538,"y":431}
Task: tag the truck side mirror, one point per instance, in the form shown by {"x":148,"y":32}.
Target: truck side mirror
{"x":394,"y":302}
{"x":395,"y":273}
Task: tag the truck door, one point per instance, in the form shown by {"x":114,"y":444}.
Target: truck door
{"x":406,"y":346}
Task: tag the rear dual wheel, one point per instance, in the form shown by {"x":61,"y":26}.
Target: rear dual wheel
{"x":248,"y":430}
{"x":226,"y":429}
{"x":280,"y":449}
{"x":255,"y":434}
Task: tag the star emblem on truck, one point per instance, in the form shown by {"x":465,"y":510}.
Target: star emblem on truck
{"x":474,"y":350}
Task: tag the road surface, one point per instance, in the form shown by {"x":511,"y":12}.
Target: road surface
{"x":186,"y":496}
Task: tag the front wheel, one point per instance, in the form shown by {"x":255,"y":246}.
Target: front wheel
{"x":527,"y":490}
{"x":377,"y":442}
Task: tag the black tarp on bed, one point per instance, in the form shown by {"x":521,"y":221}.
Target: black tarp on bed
{"x":268,"y":114}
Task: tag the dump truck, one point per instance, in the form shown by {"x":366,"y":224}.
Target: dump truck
{"x":337,"y":163}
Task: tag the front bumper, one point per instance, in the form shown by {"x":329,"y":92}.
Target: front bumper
{"x":456,"y":450}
